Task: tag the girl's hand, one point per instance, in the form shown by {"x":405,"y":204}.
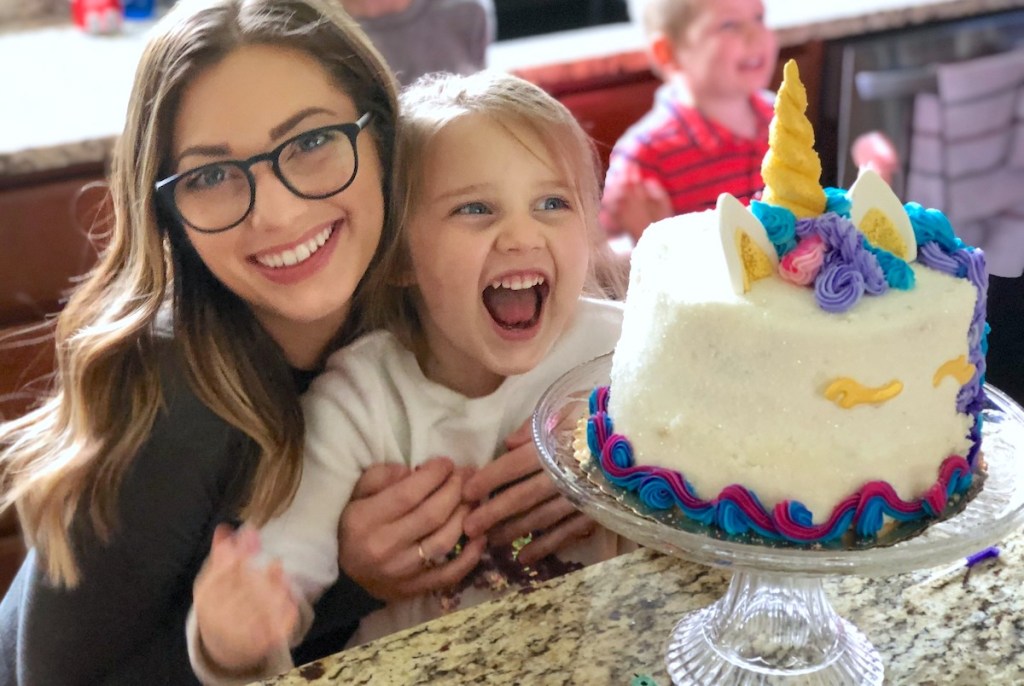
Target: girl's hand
{"x":243,"y":612}
{"x":397,"y":530}
{"x":523,"y":500}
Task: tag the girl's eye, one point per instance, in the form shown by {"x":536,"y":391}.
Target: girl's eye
{"x":555,"y":203}
{"x":472,"y":208}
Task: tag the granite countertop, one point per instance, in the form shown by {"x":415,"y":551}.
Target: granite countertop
{"x":602,"y":625}
{"x":71,"y":89}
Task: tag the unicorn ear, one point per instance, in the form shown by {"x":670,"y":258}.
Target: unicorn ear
{"x":749,"y":253}
{"x":879,"y":215}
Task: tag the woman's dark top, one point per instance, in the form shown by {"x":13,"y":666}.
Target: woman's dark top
{"x":125,"y":621}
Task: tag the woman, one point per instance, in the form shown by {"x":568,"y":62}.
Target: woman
{"x":181,"y":357}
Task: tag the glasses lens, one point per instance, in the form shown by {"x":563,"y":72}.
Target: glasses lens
{"x":213,"y":197}
{"x":318,"y":163}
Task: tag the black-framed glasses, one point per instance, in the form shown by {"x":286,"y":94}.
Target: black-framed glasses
{"x":315,"y":164}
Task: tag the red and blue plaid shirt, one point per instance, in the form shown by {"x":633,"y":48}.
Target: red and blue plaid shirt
{"x":693,"y":158}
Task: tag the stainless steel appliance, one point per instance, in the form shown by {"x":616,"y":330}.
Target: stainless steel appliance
{"x":869,"y":82}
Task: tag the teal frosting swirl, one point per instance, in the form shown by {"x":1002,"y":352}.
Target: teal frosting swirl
{"x":731,"y":518}
{"x":779,"y":223}
{"x":656,"y":493}
{"x":871,"y":517}
{"x":898,"y":273}
{"x":799,"y":513}
{"x":961,"y":482}
{"x":932,"y":225}
{"x":620,"y":452}
{"x":837,"y":200}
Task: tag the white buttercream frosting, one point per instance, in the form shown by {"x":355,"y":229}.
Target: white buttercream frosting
{"x":730,"y":388}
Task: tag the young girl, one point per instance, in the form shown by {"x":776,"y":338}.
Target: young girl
{"x":500,"y":191}
{"x":182,"y":356}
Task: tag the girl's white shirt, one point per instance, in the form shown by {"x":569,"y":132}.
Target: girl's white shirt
{"x":372,"y":404}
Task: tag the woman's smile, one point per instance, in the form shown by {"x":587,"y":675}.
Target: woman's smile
{"x":303,"y":259}
{"x":298,"y":253}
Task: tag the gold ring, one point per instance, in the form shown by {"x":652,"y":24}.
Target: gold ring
{"x":424,"y":560}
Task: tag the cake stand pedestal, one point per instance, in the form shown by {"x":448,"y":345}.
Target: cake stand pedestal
{"x":767,"y":629}
{"x":775,"y":624}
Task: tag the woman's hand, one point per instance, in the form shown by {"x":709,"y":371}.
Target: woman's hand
{"x":244,"y":612}
{"x":523,"y":500}
{"x":397,"y":530}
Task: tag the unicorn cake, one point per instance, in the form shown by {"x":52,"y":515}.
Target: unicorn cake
{"x":807,"y":366}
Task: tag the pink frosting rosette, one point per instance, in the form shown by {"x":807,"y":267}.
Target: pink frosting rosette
{"x":802,"y":264}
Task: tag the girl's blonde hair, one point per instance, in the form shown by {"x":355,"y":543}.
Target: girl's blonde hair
{"x":68,"y":457}
{"x":435,"y":101}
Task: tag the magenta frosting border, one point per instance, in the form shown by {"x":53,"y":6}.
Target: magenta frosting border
{"x":737,"y":510}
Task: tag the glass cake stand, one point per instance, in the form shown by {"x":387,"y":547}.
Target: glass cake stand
{"x":775,"y":624}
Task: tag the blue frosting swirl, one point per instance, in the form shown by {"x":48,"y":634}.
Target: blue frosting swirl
{"x":872,"y":517}
{"x":731,"y":518}
{"x":932,"y":225}
{"x":656,"y":493}
{"x":837,"y":200}
{"x":799,"y":513}
{"x":779,"y":223}
{"x":620,"y":452}
{"x":594,"y":435}
{"x":898,"y":274}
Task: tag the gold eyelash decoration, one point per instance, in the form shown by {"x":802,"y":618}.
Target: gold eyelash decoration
{"x":847,"y":393}
{"x":960,"y":369}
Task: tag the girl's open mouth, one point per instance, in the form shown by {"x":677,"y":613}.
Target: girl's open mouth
{"x":516,"y":304}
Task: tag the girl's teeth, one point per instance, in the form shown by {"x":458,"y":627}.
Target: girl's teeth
{"x":517,"y":283}
{"x":297,"y":255}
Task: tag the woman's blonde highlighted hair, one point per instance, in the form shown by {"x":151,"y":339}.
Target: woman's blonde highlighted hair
{"x":67,"y":458}
{"x":435,"y":101}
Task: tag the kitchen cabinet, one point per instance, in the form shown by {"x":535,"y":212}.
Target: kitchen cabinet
{"x":51,"y":227}
{"x":517,"y":18}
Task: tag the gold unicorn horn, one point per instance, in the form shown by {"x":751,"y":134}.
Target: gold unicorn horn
{"x":791,"y":169}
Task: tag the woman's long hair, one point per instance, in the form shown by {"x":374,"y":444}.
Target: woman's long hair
{"x":68,"y":457}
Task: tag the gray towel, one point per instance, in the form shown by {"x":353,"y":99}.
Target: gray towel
{"x":434,"y":35}
{"x":967,"y":154}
